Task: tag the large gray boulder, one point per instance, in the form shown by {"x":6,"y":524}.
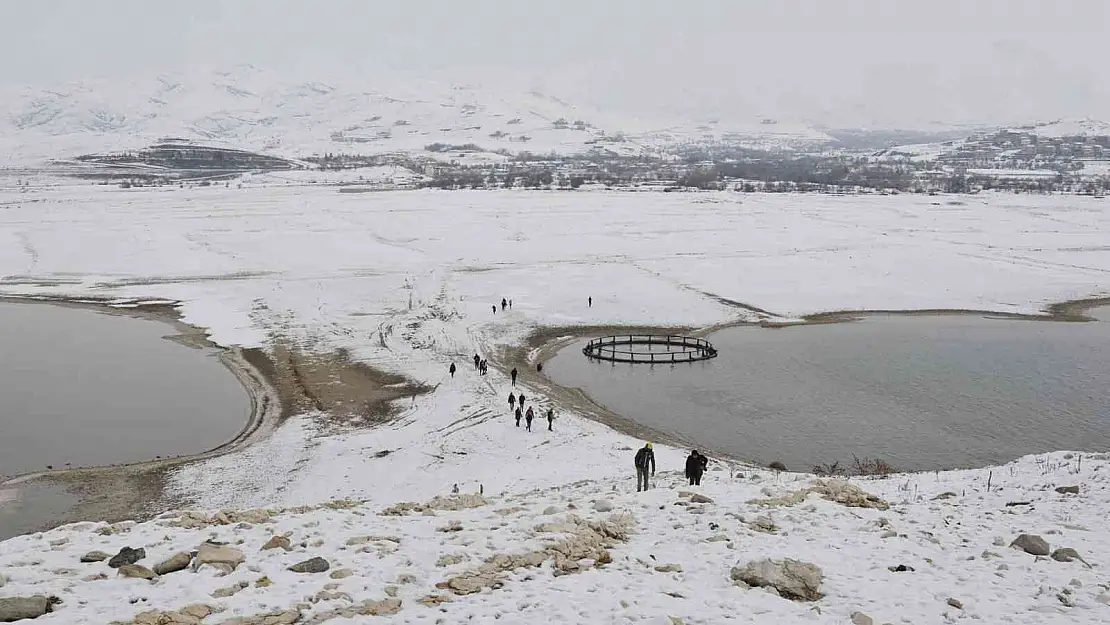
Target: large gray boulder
{"x":1032,"y":544}
{"x":312,"y":565}
{"x":209,"y":553}
{"x":174,"y":564}
{"x":127,"y":555}
{"x":793,"y":579}
{"x":18,"y":608}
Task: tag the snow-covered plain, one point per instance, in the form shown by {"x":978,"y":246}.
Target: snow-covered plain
{"x":405,"y":282}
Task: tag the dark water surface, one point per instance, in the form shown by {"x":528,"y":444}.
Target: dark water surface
{"x":922,"y":392}
{"x":81,"y":388}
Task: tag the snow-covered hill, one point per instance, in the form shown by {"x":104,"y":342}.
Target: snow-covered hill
{"x":255,"y":109}
{"x":922,"y":548}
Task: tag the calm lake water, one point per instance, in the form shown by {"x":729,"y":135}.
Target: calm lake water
{"x":922,"y":392}
{"x":80,"y":388}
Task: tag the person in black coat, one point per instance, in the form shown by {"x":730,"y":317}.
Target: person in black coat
{"x":695,"y":467}
{"x":512,"y":374}
{"x":519,"y":414}
{"x":528,"y":416}
{"x":452,"y":369}
{"x":644,"y":457}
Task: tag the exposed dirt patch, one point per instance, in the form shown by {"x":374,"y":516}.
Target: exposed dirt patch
{"x":280,"y":382}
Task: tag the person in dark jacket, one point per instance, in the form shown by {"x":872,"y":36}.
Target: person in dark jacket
{"x":539,"y":367}
{"x":512,"y":401}
{"x":644,"y":458}
{"x":512,"y":374}
{"x":504,"y":303}
{"x":452,"y":369}
{"x":519,"y":413}
{"x":520,"y":400}
{"x":550,"y":418}
{"x":695,"y":467}
{"x":477,"y":359}
{"x":528,"y":416}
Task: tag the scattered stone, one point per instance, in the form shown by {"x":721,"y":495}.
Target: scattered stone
{"x":341,"y":573}
{"x":999,"y":541}
{"x":18,"y":608}
{"x":312,"y":565}
{"x":955,"y":603}
{"x":223,"y":593}
{"x":1002,"y":567}
{"x":777,"y":466}
{"x":793,"y":579}
{"x":434,"y":600}
{"x":95,"y":556}
{"x":59,"y":542}
{"x":278,"y":542}
{"x":668,"y":568}
{"x":859,"y":618}
{"x":1065,"y":554}
{"x":218,"y":554}
{"x":945,"y":495}
{"x":717,"y":539}
{"x":263,"y":582}
{"x":453,"y":526}
{"x":763,"y":524}
{"x":287,"y":617}
{"x":406,"y":578}
{"x":1032,"y":544}
{"x":551,"y":510}
{"x":137,"y":571}
{"x":460,"y":501}
{"x":889,"y":534}
{"x":700,"y":498}
{"x":603,"y":505}
{"x":127,"y":555}
{"x":1065,"y":490}
{"x":391,"y":591}
{"x":901,"y":568}
{"x":178,"y":562}
{"x":450,"y":559}
{"x":96,"y":577}
{"x":840,"y":491}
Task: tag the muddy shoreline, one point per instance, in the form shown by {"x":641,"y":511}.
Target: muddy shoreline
{"x":544,"y":342}
{"x":284,"y":380}
{"x":280,"y":382}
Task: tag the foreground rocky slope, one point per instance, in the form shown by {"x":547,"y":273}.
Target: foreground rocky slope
{"x":748,"y":545}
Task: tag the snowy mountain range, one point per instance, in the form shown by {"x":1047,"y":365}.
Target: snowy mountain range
{"x":255,"y":109}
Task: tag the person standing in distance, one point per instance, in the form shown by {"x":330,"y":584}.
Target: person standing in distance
{"x":644,"y":457}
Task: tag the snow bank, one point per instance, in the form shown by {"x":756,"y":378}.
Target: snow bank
{"x":661,"y":555}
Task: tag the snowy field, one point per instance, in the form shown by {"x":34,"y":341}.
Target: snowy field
{"x":405,"y":282}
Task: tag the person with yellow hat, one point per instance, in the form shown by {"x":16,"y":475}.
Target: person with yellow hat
{"x":644,"y":457}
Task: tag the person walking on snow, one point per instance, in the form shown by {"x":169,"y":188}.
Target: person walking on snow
{"x":495,"y":309}
{"x":520,"y":400}
{"x":512,"y":401}
{"x":512,"y":374}
{"x":452,"y":369}
{"x":504,"y":303}
{"x":550,"y":418}
{"x":695,"y":467}
{"x":528,"y":416}
{"x":644,"y":457}
{"x":510,"y":304}
{"x":591,"y":300}
{"x":519,"y":412}
{"x":477,"y":359}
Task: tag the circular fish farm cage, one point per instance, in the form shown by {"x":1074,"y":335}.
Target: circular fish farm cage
{"x":649,"y":348}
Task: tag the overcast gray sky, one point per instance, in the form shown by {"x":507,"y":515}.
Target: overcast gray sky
{"x":842,"y":62}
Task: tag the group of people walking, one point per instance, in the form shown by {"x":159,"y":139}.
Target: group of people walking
{"x":505,"y":303}
{"x":517,"y":407}
{"x":696,"y":463}
{"x":517,"y":402}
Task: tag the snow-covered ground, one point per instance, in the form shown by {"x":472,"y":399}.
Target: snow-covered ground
{"x":405,"y":281}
